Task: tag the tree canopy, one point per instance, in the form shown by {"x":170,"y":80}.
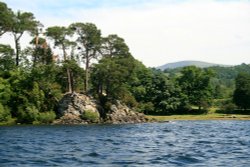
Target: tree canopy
{"x":89,"y":43}
{"x":195,"y":84}
{"x":241,"y":95}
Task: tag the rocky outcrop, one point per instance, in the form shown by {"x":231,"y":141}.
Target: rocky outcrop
{"x":72,"y":107}
{"x":70,"y":119}
{"x":120,"y":114}
{"x":81,"y":109}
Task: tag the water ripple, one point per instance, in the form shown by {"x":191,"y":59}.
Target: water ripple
{"x":179,"y":143}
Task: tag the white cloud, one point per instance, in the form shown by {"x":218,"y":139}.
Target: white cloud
{"x":158,"y":33}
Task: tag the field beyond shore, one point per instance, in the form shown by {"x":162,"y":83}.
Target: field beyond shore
{"x":209,"y":116}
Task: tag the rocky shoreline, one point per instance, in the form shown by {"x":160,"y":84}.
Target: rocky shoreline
{"x":80,"y":109}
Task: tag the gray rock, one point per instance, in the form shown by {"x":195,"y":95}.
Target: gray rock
{"x":120,"y":114}
{"x":72,"y":106}
{"x":70,"y":119}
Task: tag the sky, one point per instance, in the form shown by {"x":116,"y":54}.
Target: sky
{"x":159,"y":31}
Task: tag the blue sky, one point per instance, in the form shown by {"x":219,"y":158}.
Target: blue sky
{"x":159,"y":31}
{"x":88,"y":3}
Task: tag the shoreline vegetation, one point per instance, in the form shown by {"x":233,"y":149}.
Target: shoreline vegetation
{"x":160,"y":118}
{"x":91,"y":78}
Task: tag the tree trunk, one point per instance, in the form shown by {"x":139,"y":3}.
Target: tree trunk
{"x":72,"y":81}
{"x":64,"y":52}
{"x":86,"y":85}
{"x":36,"y":50}
{"x":68,"y":70}
{"x":100,"y":88}
{"x":17,"y":47}
{"x":69,"y":81}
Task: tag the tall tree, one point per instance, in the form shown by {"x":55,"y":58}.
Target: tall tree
{"x":165,"y":96}
{"x":115,"y":68}
{"x":59,"y":35}
{"x":111,"y":76}
{"x":195,"y":84}
{"x":22,"y":22}
{"x":6,"y":20}
{"x":241,"y":95}
{"x":89,"y":41}
{"x":114,"y":45}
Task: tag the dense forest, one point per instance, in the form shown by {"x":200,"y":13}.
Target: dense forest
{"x":34,"y":79}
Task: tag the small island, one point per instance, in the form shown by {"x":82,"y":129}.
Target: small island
{"x":95,"y":79}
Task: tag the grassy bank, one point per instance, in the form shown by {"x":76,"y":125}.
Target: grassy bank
{"x":211,"y":115}
{"x":201,"y":117}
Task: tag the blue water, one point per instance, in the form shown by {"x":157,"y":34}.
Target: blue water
{"x":180,"y":143}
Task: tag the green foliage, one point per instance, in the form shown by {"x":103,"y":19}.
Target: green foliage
{"x":90,"y":116}
{"x":5,"y":91}
{"x":123,"y":78}
{"x":229,"y":108}
{"x":195,"y":84}
{"x":26,"y":97}
{"x":88,"y":37}
{"x":166,"y":97}
{"x":147,"y":107}
{"x":4,"y":113}
{"x":59,"y":35}
{"x":113,"y":45}
{"x":22,"y":22}
{"x":37,"y":96}
{"x":222,"y":81}
{"x":37,"y":88}
{"x":241,"y":95}
{"x":76,"y":73}
{"x":41,"y":54}
{"x":89,"y":45}
{"x":6,"y":58}
{"x":49,"y":90}
{"x":111,"y":75}
{"x":127,"y":98}
{"x":27,"y":114}
{"x":6,"y":16}
{"x":155,"y":92}
{"x":45,"y":117}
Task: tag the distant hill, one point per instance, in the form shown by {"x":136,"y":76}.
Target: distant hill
{"x":179,"y":64}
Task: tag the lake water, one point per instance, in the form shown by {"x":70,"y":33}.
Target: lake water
{"x":179,"y":143}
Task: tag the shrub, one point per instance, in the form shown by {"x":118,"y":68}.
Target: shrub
{"x":129,"y":100}
{"x":107,"y":106}
{"x":4,"y":114}
{"x":228,"y":108}
{"x":90,"y":116}
{"x":46,"y":117}
{"x":146,"y":108}
{"x":27,"y":115}
{"x":220,"y":102}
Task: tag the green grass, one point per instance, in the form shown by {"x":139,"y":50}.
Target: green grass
{"x":211,"y":115}
{"x":91,"y":116}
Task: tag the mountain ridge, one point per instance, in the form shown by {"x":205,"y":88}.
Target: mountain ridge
{"x":178,"y":64}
